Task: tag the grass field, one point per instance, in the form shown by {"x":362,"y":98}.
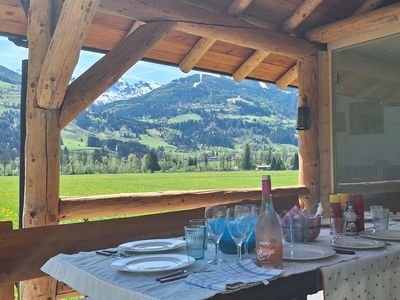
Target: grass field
{"x":80,"y":185}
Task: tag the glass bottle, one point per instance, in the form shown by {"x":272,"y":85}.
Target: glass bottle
{"x":269,"y":248}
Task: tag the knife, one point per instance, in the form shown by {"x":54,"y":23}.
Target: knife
{"x":173,"y":278}
{"x":342,"y":251}
{"x":173,"y":274}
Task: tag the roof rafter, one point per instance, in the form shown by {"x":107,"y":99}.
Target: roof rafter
{"x":367,"y":6}
{"x":104,"y":73}
{"x":204,"y":44}
{"x":287,"y":78}
{"x":211,"y":25}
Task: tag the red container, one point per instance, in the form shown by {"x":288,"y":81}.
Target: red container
{"x":358,"y":201}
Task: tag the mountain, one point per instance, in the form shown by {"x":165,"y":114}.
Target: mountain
{"x":9,"y":76}
{"x":199,"y":112}
{"x":123,"y":90}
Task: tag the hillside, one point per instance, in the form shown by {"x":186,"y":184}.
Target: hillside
{"x":196,"y":113}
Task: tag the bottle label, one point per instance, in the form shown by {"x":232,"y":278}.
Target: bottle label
{"x":267,"y":250}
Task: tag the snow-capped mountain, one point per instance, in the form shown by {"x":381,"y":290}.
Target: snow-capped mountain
{"x":123,"y":90}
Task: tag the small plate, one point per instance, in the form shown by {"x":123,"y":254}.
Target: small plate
{"x":384,"y":235}
{"x":357,"y":244}
{"x":304,"y":252}
{"x":153,"y":263}
{"x":156,"y":245}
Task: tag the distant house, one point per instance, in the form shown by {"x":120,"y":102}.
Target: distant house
{"x":263,"y":168}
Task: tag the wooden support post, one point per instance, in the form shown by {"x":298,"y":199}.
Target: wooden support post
{"x":42,"y":147}
{"x":63,"y":52}
{"x":104,"y":73}
{"x":309,"y":174}
{"x":324,"y":130}
{"x":6,"y":290}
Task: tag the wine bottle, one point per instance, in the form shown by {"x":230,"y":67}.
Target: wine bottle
{"x":269,"y":248}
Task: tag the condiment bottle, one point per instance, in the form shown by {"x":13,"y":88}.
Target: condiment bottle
{"x":358,"y":200}
{"x":350,"y":217}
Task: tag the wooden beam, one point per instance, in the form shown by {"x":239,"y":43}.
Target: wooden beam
{"x":309,"y":162}
{"x":204,"y":44}
{"x":195,"y":54}
{"x":205,"y":23}
{"x":63,"y":51}
{"x":250,"y":64}
{"x":135,"y":25}
{"x":287,"y":78}
{"x":386,"y":17}
{"x":237,"y":7}
{"x":6,"y":290}
{"x":104,"y":73}
{"x":138,"y":203}
{"x":367,"y":6}
{"x":42,"y":146}
{"x":244,"y":17}
{"x":301,"y":13}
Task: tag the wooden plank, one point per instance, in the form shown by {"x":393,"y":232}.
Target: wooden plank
{"x":6,"y":290}
{"x":367,"y":6}
{"x":301,"y":13}
{"x":139,"y":203}
{"x":372,"y":187}
{"x":237,"y":7}
{"x":211,"y":25}
{"x":250,"y":64}
{"x":63,"y":51}
{"x":195,"y":54}
{"x":42,"y":146}
{"x":324,"y":130}
{"x":309,"y":173}
{"x":287,"y":78}
{"x":91,"y":84}
{"x":386,"y":17}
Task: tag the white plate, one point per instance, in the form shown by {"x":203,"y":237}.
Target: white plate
{"x":384,"y":235}
{"x":395,"y":217}
{"x":158,"y":245}
{"x":357,"y":244}
{"x":367,"y":216}
{"x":305,"y":252}
{"x":153,"y":263}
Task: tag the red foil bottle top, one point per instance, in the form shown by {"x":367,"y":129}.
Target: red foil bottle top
{"x":266,"y":185}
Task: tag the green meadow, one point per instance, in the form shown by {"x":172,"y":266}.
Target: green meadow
{"x":100,"y":184}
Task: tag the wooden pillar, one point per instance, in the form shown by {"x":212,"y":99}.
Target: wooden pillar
{"x":309,"y":173}
{"x":6,"y":290}
{"x":324,"y":129}
{"x":42,"y":147}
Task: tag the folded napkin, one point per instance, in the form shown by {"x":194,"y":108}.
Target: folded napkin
{"x":229,"y":278}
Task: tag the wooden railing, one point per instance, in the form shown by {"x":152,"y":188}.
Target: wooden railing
{"x":146,"y":203}
{"x":24,"y":251}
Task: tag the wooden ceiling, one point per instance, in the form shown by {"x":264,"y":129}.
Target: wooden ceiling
{"x":107,"y":30}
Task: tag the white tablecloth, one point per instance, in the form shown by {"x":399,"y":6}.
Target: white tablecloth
{"x":92,"y":274}
{"x":373,"y":275}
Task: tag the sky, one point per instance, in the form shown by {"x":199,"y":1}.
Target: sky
{"x":11,"y":57}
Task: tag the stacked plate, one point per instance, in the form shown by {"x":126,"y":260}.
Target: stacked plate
{"x":305,"y":252}
{"x":156,"y":245}
{"x":384,"y":235}
{"x":356,"y":244}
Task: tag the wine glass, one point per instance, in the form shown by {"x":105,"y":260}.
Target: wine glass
{"x":254,"y":211}
{"x":215,"y":220}
{"x":238,"y":222}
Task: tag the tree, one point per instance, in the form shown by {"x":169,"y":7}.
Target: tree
{"x":5,"y":158}
{"x":151,"y":161}
{"x":246,"y":159}
{"x":295,"y":162}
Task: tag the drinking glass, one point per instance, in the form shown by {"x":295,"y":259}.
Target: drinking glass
{"x":215,"y":219}
{"x":254,"y":211}
{"x":338,"y":227}
{"x":201,"y":222}
{"x":238,"y":222}
{"x":299,"y":229}
{"x":380,"y":218}
{"x":195,"y":236}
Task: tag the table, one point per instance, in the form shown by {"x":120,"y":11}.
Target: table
{"x":92,"y":275}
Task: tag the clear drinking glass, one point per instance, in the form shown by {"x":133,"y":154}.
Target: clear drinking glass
{"x":195,"y":236}
{"x":254,"y":212}
{"x":238,"y":222}
{"x":338,"y":227}
{"x":201,"y":222}
{"x":299,"y":229}
{"x":380,"y":218}
{"x":215,"y":219}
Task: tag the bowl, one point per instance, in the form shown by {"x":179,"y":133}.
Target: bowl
{"x":227,"y":244}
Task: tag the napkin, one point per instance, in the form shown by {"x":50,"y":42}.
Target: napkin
{"x":233,"y":277}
